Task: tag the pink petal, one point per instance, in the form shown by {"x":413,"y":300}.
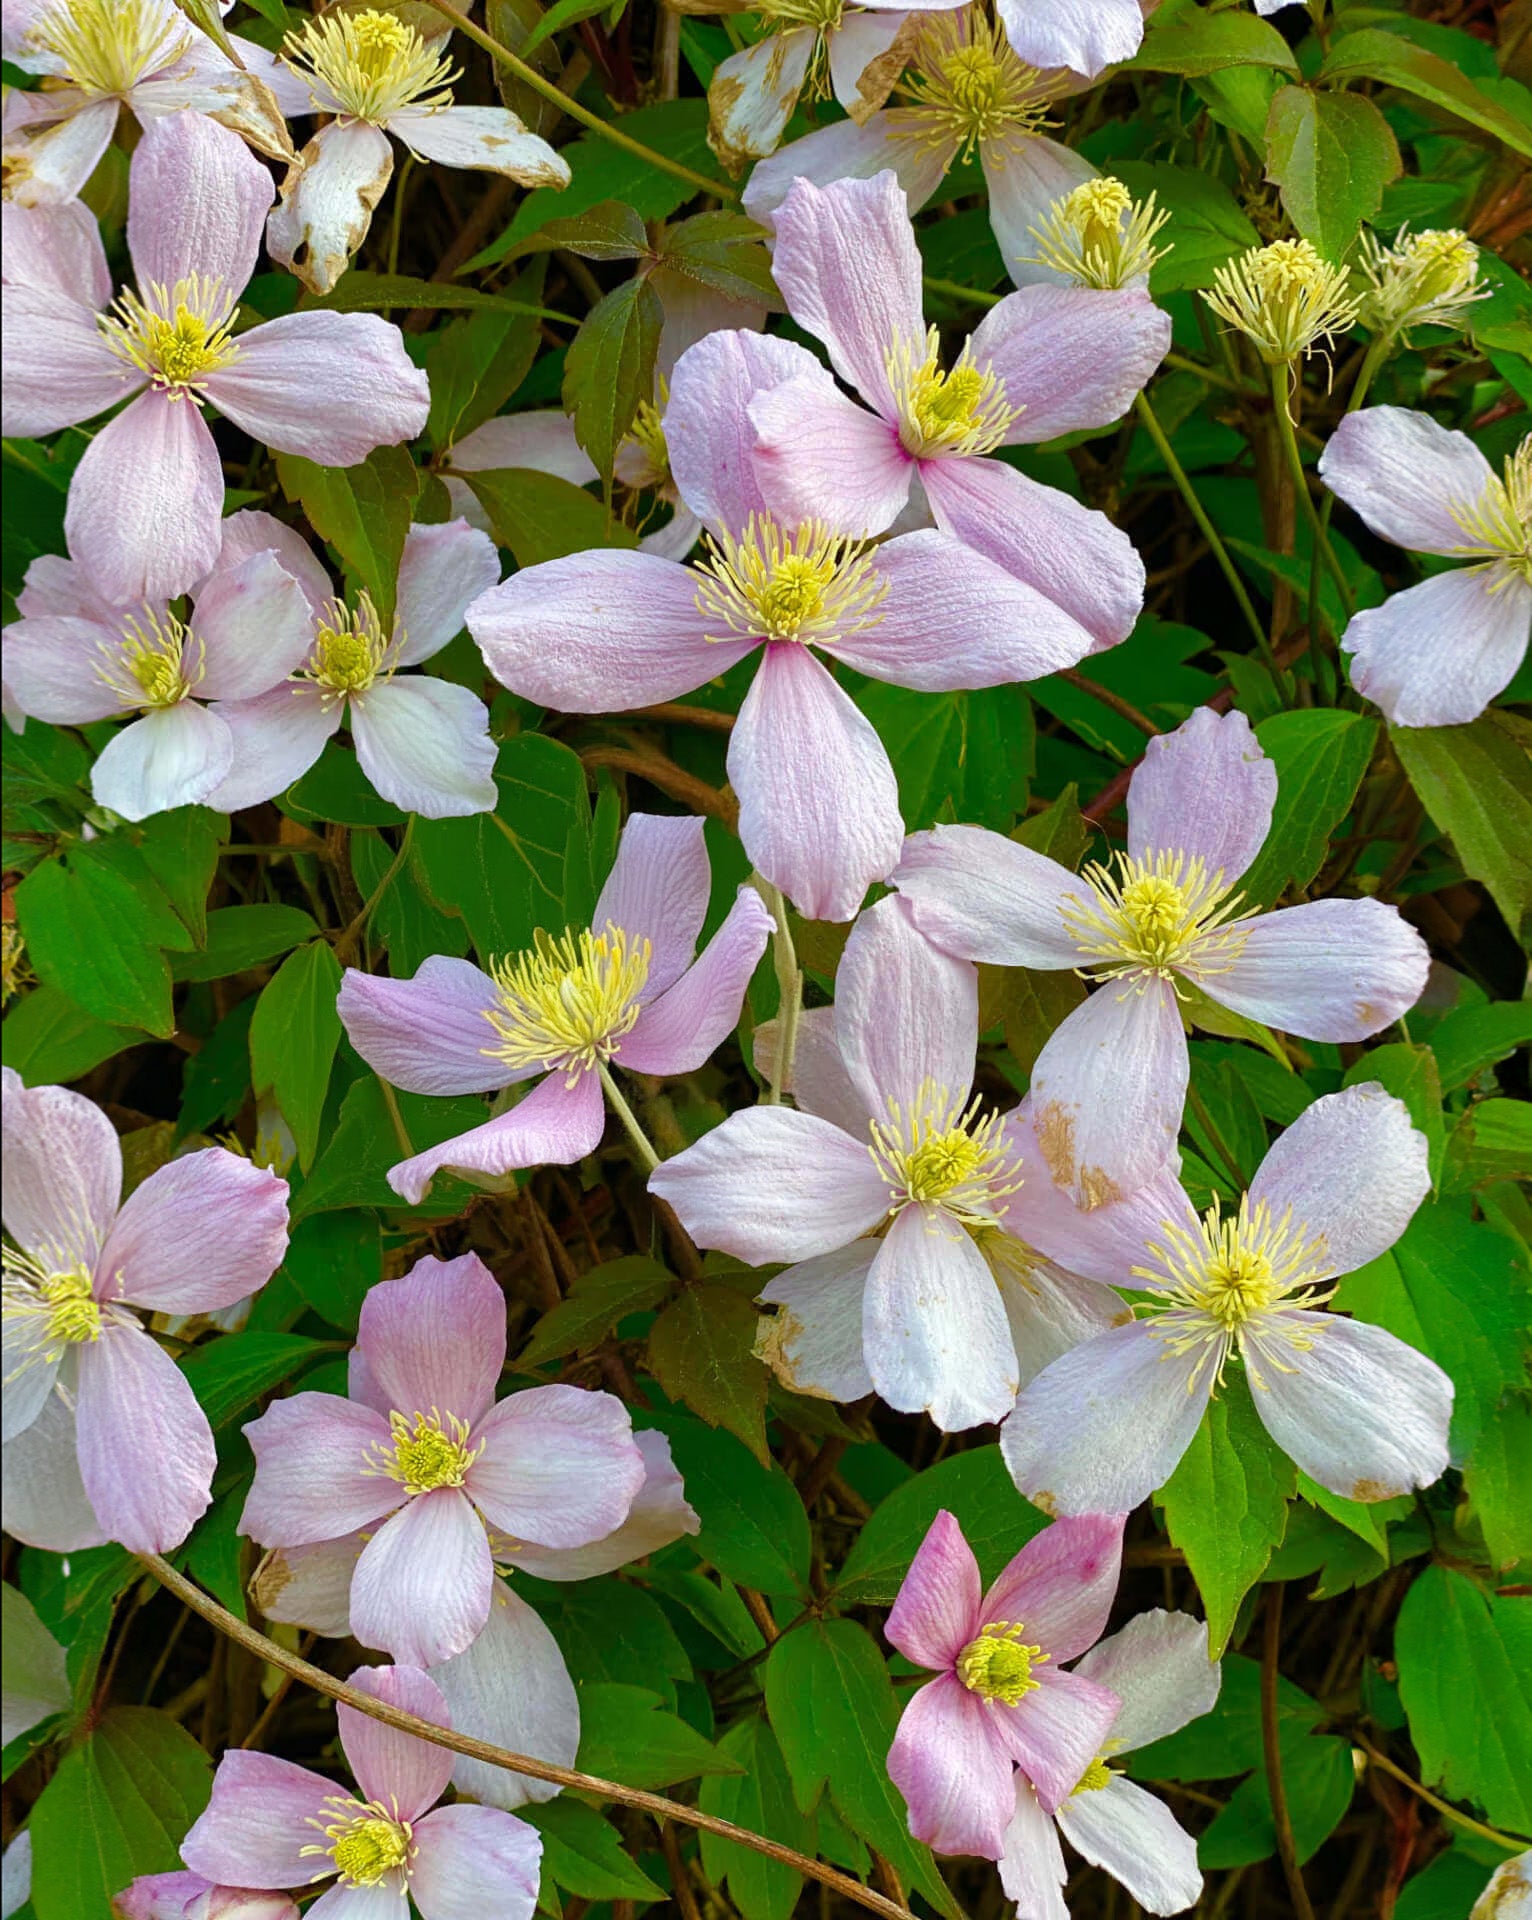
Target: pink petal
{"x":1206,"y":790}
{"x":472,"y":1861}
{"x":1062,"y":1584}
{"x":311,"y":1471}
{"x":435,"y":1340}
{"x":1437,"y":654}
{"x":1071,"y":357}
{"x":54,"y":163}
{"x":311,"y":1586}
{"x":820,"y":456}
{"x":262,"y":1815}
{"x":1328,"y":970}
{"x":658,"y":890}
{"x":818,"y":1082}
{"x":255,"y":625}
{"x":1025,"y":174}
{"x":441,"y":570}
{"x":1102,"y":1428}
{"x":197,"y":205}
{"x":948,"y":1761}
{"x":850,"y":271}
{"x":1404,"y":473}
{"x":814,"y":1345}
{"x":31,"y":1372}
{"x":1138,"y":1841}
{"x":845,"y":151}
{"x":277,"y":738}
{"x":144,"y":502}
{"x":558,"y":1467}
{"x":981,"y":896}
{"x":818,"y":802}
{"x":200,"y":1233}
{"x":1158,"y":1666}
{"x":428,"y":1034}
{"x":1055,"y":1732}
{"x":146,"y":1451}
{"x":1351,"y":1169}
{"x":422,"y":1585}
{"x":58,"y":367}
{"x":169,"y":757}
{"x":250,"y":532}
{"x":937,"y":1611}
{"x":1032,"y":1869}
{"x":1049,"y":1309}
{"x":425,"y":745}
{"x":906,"y":1014}
{"x":680,"y":1030}
{"x":45,"y":1499}
{"x":63,"y":1172}
{"x":327,"y":386}
{"x":396,"y":1769}
{"x":542,"y":439}
{"x":381,"y":1901}
{"x":773,"y":1184}
{"x":57,"y":587}
{"x":555,"y":1125}
{"x":1069,"y":553}
{"x":327,"y":205}
{"x":660,"y":1514}
{"x":1084,"y":35}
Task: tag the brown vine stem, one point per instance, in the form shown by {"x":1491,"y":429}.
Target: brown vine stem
{"x":654,"y":1804}
{"x":669,"y":778}
{"x":1395,"y":1772}
{"x":1271,"y":1746}
{"x":1124,"y":708}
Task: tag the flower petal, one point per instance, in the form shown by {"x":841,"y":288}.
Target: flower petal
{"x":1050,"y":1310}
{"x":1138,"y":1841}
{"x":818,"y":801}
{"x":1032,"y":1869}
{"x":428,"y":1034}
{"x":1025,"y":175}
{"x":948,"y":1762}
{"x":50,"y":164}
{"x":559,"y":1466}
{"x":814,"y":1344}
{"x":200,"y":1233}
{"x":489,"y":139}
{"x":1062,"y":1584}
{"x":45,"y":1500}
{"x":169,"y":757}
{"x":512,"y":1688}
{"x":442,"y":569}
{"x":255,"y":625}
{"x":846,"y":151}
{"x":983,"y":897}
{"x":542,"y":439}
{"x":196,"y":205}
{"x":63,"y":1172}
{"x":658,"y":890}
{"x":1071,"y":357}
{"x":436,"y":1338}
{"x":906,"y":1013}
{"x":327,"y":203}
{"x":820,"y":456}
{"x":818,"y":1081}
{"x":398,"y":1769}
{"x":867,"y":55}
{"x":58,"y":366}
{"x":310,"y":1586}
{"x":1206,"y":790}
{"x":1404,"y":473}
{"x":1328,"y":970}
{"x":1056,"y":1731}
{"x":936,"y":1613}
{"x":1102,"y":1428}
{"x":554,"y":1125}
{"x":659,"y":1514}
{"x":753,"y":92}
{"x":31,"y":1372}
{"x":259,"y":1822}
{"x":57,"y":588}
{"x":146,"y":1450}
{"x":311,"y":1480}
{"x":471,"y":1861}
{"x":1083,"y":35}
{"x":680,"y":1030}
{"x":1158,"y":1666}
{"x":425,"y":745}
{"x":422,"y":1585}
{"x":1437,"y":654}
{"x":773,"y":1184}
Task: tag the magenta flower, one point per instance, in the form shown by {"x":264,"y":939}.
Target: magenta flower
{"x":1046,"y":361}
{"x":1158,"y":1666}
{"x":273,"y":1824}
{"x":145,"y":501}
{"x":891,"y":1193}
{"x":1002,"y":1700}
{"x":1109,"y":1085}
{"x":424,"y":743}
{"x":1358,"y":1410}
{"x":627,"y":993}
{"x":1437,"y":654}
{"x":104,"y":1439}
{"x":819,"y":805}
{"x":187,"y":1896}
{"x":441,"y":1476}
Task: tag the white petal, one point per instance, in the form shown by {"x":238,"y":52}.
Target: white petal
{"x":660,"y":1514}
{"x":1032,"y":1869}
{"x":277,"y":738}
{"x":1437,"y":654}
{"x":542,"y":439}
{"x":254,"y":622}
{"x":511,"y":1687}
{"x":1158,"y":1666}
{"x":846,"y":151}
{"x":906,"y":1014}
{"x":173,"y":757}
{"x":1207,"y":791}
{"x":441,"y":570}
{"x":1050,"y":1310}
{"x":814,"y":1342}
{"x":44,"y":1496}
{"x":752,"y":95}
{"x":1139,"y":1842}
{"x":1326,"y":970}
{"x":982,"y":896}
{"x":1025,"y":177}
{"x":866,"y":57}
{"x":490,"y":139}
{"x":1403,"y":473}
{"x":326,"y":208}
{"x":425,"y":745}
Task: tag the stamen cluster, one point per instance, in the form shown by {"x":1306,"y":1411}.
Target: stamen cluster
{"x":106,"y":47}
{"x":961,"y":411}
{"x":1498,"y":524}
{"x":424,"y":1451}
{"x":350,"y":649}
{"x":178,"y":337}
{"x":370,"y":64}
{"x":967,"y":88}
{"x":156,"y":664}
{"x":1423,"y":278}
{"x":998,"y":1664}
{"x":1100,"y":236}
{"x":1285,"y":298}
{"x":568,"y":1002}
{"x":1160,"y":915}
{"x":366,"y":1841}
{"x":773,"y":583}
{"x":938,"y":1152}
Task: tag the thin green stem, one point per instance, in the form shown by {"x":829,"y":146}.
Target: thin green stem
{"x":1280,"y":382}
{"x":790,"y":988}
{"x":1182,"y":365}
{"x":975,"y":296}
{"x":352,"y":933}
{"x":396,"y":233}
{"x":641,"y":1142}
{"x":1271,"y":1747}
{"x":1443,"y":1807}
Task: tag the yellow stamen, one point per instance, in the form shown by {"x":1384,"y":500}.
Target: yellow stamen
{"x":178,"y":337}
{"x":366,"y":1841}
{"x":961,"y":411}
{"x":1100,"y":236}
{"x":998,"y":1666}
{"x":49,"y":1306}
{"x":350,"y":649}
{"x":940,"y":1153}
{"x":807,"y":584}
{"x":1096,"y":1776}
{"x":968,"y":90}
{"x":823,"y":17}
{"x":156,"y":663}
{"x":1423,"y":278}
{"x":1284,"y":298}
{"x":15,"y":971}
{"x":370,"y":64}
{"x":1499,"y":523}
{"x":1162,"y":914}
{"x":105,"y":47}
{"x":424,"y":1451}
{"x":647,"y":437}
{"x":568,"y":1002}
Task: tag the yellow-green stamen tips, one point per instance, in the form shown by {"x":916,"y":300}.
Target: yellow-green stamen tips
{"x":157,"y":662}
{"x":1096,"y":1776}
{"x":998,"y":1665}
{"x":968,"y":90}
{"x":424,"y":1451}
{"x":568,"y":1002}
{"x":50,"y":1306}
{"x":1285,"y":298}
{"x":1498,"y":525}
{"x":350,"y":649}
{"x":961,"y":411}
{"x":1162,"y":914}
{"x":178,"y":336}
{"x":1100,"y":236}
{"x":371,"y":64}
{"x":365,"y":1842}
{"x":779,"y":583}
{"x":107,"y":46}
{"x":1423,"y":278}
{"x":647,"y":438}
{"x":939,"y":1152}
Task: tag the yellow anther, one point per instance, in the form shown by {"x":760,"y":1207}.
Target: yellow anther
{"x":50,"y":1306}
{"x":365,"y":1841}
{"x":961,"y":411}
{"x":823,"y":15}
{"x":1163,"y":914}
{"x":1096,"y":1776}
{"x":968,"y":89}
{"x":940,"y":1153}
{"x":15,"y":971}
{"x":107,"y":46}
{"x":1498,"y":525}
{"x":568,"y":1002}
{"x":647,"y":435}
{"x":424,"y":1451}
{"x":1284,"y":298}
{"x":156,"y":663}
{"x":74,"y":1318}
{"x":998,"y":1665}
{"x":1430,"y":277}
{"x":370,"y":64}
{"x":806,"y":584}
{"x":350,"y":649}
{"x":178,"y":337}
{"x":1100,"y":236}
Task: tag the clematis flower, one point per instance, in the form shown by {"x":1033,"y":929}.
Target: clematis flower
{"x":424,"y":743}
{"x":423,"y":1458}
{"x":73,"y":659}
{"x":626,"y":992}
{"x":1358,"y":1410}
{"x":273,"y":1824}
{"x":1002,"y":1700}
{"x":146,"y":499}
{"x":890,"y":1192}
{"x":1045,"y":361}
{"x":1158,"y":1666}
{"x":1437,"y":654}
{"x":104,"y":1438}
{"x":378,"y":75}
{"x":819,"y":811}
{"x":187,"y":1896}
{"x":100,"y":56}
{"x":1110,"y":1083}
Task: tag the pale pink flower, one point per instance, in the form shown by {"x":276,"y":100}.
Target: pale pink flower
{"x":72,"y":658}
{"x":628,"y":993}
{"x":1046,"y":361}
{"x":104,"y":1439}
{"x":187,"y":1896}
{"x":819,"y":805}
{"x":273,"y":1824}
{"x":1437,"y":654}
{"x":1002,"y":1700}
{"x":1358,"y":1410}
{"x":146,"y":499}
{"x":1110,"y":1083}
{"x":424,"y":743}
{"x":1158,"y":1666}
{"x":892,"y":1195}
{"x":441,"y":1477}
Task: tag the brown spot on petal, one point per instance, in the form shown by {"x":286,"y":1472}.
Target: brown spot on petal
{"x":1097,"y":1188}
{"x":1055,"y":1129}
{"x":1371,"y":1490}
{"x":876,"y":80}
{"x":270,"y":1577}
{"x":1045,"y":1502}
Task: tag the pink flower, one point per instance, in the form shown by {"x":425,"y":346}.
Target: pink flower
{"x":1437,"y":654}
{"x":1046,"y":361}
{"x":104,"y":1439}
{"x":442,"y":1477}
{"x":187,"y":1896}
{"x":1003,"y":1701}
{"x":1359,"y":1411}
{"x":819,"y":806}
{"x":145,"y":501}
{"x":424,"y":743}
{"x":273,"y":1824}
{"x":945,"y":1311}
{"x":1109,"y":1085}
{"x":626,"y":993}
{"x":1158,"y":1665}
{"x":72,"y":659}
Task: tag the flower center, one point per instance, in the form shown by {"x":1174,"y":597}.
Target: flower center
{"x":960,"y":411}
{"x":366,"y":1841}
{"x":107,"y":46}
{"x":370,"y":64}
{"x":424,"y":1451}
{"x":773,"y":584}
{"x":156,"y":663}
{"x":569,"y":1001}
{"x":647,"y":437}
{"x":967,"y":89}
{"x":1096,"y":1776}
{"x":1285,"y":298}
{"x":178,"y":338}
{"x":1431,"y":276}
{"x":48,"y":1308}
{"x":1099,"y":235}
{"x":1499,"y":523}
{"x":349,"y":649}
{"x":998,"y":1666}
{"x":1160,"y":915}
{"x":939,"y":1153}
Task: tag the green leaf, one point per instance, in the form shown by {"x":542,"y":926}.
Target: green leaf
{"x":478,"y":362}
{"x":1319,"y":1780}
{"x":609,"y":369}
{"x":231,"y":1372}
{"x":563,"y":13}
{"x":539,"y":516}
{"x":242,"y":937}
{"x":598,"y":1299}
{"x":754,"y":1528}
{"x":1409,"y":1072}
{"x":353,"y":1168}
{"x":1492,"y":1141}
{"x":702,"y":1352}
{"x":48,"y":1040}
{"x":760,"y":1797}
{"x":333,"y":1259}
{"x":363,"y":511}
{"x":723,"y":250}
{"x":1226,"y":1741}
{"x":1029,"y":1004}
{"x":1185,"y":38}
{"x":1470,"y":1040}
{"x":1459,"y":1648}
{"x":1320,"y":755}
{"x":626,"y":1734}
{"x":1497,"y":1477}
{"x":1473,"y":782}
{"x":583,"y":1854}
{"x":1374,"y":55}
{"x":336,"y":791}
{"x":293,"y":1037}
{"x":361,"y":292}
{"x":1226,"y":1505}
{"x":403,"y":919}
{"x":607,"y":231}
{"x":1332,"y":154}
{"x":216,"y":1079}
{"x":180,"y":848}
{"x":32,"y":1670}
{"x":95,"y":922}
{"x":1207,"y":223}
